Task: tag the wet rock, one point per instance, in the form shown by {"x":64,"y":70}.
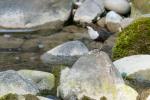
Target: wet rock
{"x":132,"y":64}
{"x":113,"y":21}
{"x":88,"y":11}
{"x":101,"y":22}
{"x":95,"y":77}
{"x":12,"y":82}
{"x":31,"y":15}
{"x":66,"y":53}
{"x":44,"y":80}
{"x":119,"y":6}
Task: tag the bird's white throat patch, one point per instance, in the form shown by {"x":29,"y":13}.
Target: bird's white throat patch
{"x":93,"y":34}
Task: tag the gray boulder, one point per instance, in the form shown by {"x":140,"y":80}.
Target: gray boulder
{"x":44,"y":80}
{"x":31,"y":15}
{"x":89,"y":10}
{"x":12,"y":82}
{"x":113,"y":21}
{"x":66,"y":53}
{"x":136,"y":67}
{"x":94,"y":76}
{"x":133,"y":64}
{"x":101,"y":22}
{"x":119,"y":6}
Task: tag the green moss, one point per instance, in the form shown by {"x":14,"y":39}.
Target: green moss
{"x":135,"y":39}
{"x":86,"y":98}
{"x":9,"y":97}
{"x":16,"y":97}
{"x":56,"y":71}
{"x":103,"y":98}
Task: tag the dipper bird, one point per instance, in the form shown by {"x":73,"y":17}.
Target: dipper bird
{"x":98,"y":34}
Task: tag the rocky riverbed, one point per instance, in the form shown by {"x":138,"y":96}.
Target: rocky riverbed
{"x":48,"y":53}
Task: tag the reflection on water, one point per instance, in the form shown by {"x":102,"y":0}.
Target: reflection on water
{"x":15,"y":30}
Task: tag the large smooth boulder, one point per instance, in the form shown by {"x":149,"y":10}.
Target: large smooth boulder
{"x":88,"y":11}
{"x":31,"y":15}
{"x":12,"y":82}
{"x":94,"y":76}
{"x":133,"y":64}
{"x":133,"y":40}
{"x":119,"y":6}
{"x":66,"y":53}
{"x":113,"y":21}
{"x":135,"y":67}
{"x":44,"y":80}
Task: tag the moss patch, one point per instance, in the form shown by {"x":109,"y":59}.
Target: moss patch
{"x":135,"y":39}
{"x":56,"y":71}
{"x":9,"y":97}
{"x":16,"y":97}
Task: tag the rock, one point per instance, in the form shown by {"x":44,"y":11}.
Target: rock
{"x":133,"y":40}
{"x":44,"y":80}
{"x":144,"y":95}
{"x":126,"y":22}
{"x":143,"y":6}
{"x":66,"y":53}
{"x":78,"y":3}
{"x":101,"y":22}
{"x":22,"y":97}
{"x":12,"y":82}
{"x":133,"y":64}
{"x":94,"y":76}
{"x":88,"y":11}
{"x":113,"y":21}
{"x":135,"y":67}
{"x":119,"y":6}
{"x":31,"y":15}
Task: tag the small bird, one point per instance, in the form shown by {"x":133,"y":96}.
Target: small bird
{"x":98,"y":34}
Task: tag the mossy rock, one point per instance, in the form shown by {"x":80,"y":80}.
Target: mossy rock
{"x":18,"y":97}
{"x":135,"y":39}
{"x":9,"y":97}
